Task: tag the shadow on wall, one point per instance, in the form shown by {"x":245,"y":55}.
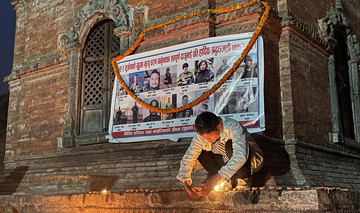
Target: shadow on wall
{"x":4,"y":103}
{"x":276,"y":163}
{"x":11,"y":182}
{"x":101,"y":182}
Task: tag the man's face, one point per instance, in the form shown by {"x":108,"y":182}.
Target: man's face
{"x":206,"y":101}
{"x":186,"y":69}
{"x":154,"y":104}
{"x":211,"y":137}
{"x":154,"y":80}
{"x":185,"y":100}
{"x":224,"y":61}
{"x":203,"y":65}
{"x":248,"y":63}
{"x":136,"y":78}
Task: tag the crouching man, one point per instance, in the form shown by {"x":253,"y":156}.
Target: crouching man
{"x":225,"y":149}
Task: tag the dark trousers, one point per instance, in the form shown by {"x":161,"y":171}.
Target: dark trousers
{"x":213,"y":162}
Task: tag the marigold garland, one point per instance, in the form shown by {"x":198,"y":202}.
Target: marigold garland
{"x":220,"y":82}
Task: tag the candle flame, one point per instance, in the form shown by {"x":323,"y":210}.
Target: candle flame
{"x":219,"y":186}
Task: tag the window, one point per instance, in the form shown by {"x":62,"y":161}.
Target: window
{"x":97,"y":80}
{"x":343,"y":63}
{"x":342,"y":79}
{"x":344,"y":83}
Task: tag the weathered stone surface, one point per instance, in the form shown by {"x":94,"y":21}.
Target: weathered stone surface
{"x":179,"y":201}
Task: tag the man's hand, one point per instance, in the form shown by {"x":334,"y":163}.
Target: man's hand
{"x":193,"y":191}
{"x":210,"y":183}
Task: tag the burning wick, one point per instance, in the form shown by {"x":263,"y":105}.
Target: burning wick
{"x":104,"y":191}
{"x":219,"y":186}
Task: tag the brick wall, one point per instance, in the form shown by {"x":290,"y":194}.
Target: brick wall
{"x":310,"y":91}
{"x":309,"y":11}
{"x":37,"y":30}
{"x":36,"y":112}
{"x":119,"y":167}
{"x":328,"y":167}
{"x":296,"y":104}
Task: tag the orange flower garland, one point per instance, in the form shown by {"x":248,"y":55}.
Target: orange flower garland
{"x":220,"y":82}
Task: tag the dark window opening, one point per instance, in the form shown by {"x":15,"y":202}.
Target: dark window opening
{"x":343,"y":86}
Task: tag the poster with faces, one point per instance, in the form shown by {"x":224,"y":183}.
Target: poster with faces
{"x":175,"y":76}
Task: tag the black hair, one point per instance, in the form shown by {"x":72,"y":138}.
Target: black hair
{"x":155,"y":71}
{"x":248,"y":58}
{"x":185,"y":96}
{"x":206,"y":63}
{"x":185,"y":65}
{"x":206,"y":122}
{"x":156,"y":101}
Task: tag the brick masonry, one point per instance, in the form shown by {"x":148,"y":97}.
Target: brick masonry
{"x":297,"y":150}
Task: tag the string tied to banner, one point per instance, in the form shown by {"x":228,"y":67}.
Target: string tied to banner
{"x":215,"y":86}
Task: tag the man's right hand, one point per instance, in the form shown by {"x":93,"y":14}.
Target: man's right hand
{"x":193,"y":191}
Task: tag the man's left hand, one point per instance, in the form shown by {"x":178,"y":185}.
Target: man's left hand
{"x":210,"y":183}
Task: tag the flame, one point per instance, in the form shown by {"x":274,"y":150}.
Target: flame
{"x":104,"y":191}
{"x":219,"y":186}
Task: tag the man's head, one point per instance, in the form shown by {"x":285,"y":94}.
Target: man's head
{"x":206,"y":101}
{"x":248,"y":60}
{"x":168,"y":69}
{"x":154,"y":103}
{"x":224,"y":61}
{"x":185,"y":67}
{"x":136,"y":78}
{"x":185,"y":99}
{"x":208,"y":125}
{"x":154,"y":79}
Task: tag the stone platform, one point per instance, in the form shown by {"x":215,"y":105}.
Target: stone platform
{"x":177,"y":200}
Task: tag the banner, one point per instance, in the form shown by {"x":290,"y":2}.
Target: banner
{"x":173,"y":76}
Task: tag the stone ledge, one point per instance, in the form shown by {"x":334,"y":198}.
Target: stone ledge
{"x":177,"y":200}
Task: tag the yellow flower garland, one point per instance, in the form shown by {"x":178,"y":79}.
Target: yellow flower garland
{"x":220,"y":82}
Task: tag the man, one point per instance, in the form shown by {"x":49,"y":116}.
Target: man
{"x":118,"y":116}
{"x":250,"y":70}
{"x":153,"y":83}
{"x":224,"y":67}
{"x":203,"y":106}
{"x":168,"y":79}
{"x":154,"y":80}
{"x":121,"y":90}
{"x":153,"y":116}
{"x":187,"y":112}
{"x":224,"y":148}
{"x":169,"y":105}
{"x":136,"y":87}
{"x":135,"y":111}
{"x":185,"y":78}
